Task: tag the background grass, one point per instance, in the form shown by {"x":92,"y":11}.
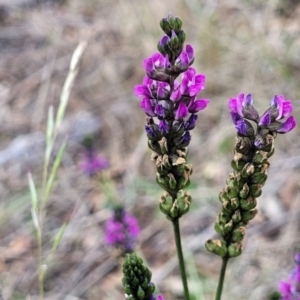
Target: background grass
{"x":249,"y":46}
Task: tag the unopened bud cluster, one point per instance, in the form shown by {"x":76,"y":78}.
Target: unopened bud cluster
{"x":250,"y":164}
{"x":171,"y":107}
{"x":137,"y":280}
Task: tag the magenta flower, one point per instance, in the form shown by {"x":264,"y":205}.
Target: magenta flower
{"x":91,"y":163}
{"x":122,"y":230}
{"x":192,"y":83}
{"x":290,"y":289}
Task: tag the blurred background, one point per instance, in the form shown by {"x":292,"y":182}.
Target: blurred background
{"x":247,"y":45}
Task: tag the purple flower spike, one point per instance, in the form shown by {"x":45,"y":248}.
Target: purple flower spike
{"x":181,"y":112}
{"x":147,"y":107}
{"x":288,"y":125}
{"x":198,"y":105}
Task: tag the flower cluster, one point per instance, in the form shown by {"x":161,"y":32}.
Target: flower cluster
{"x":122,"y":230}
{"x":290,"y":289}
{"x":171,"y":106}
{"x":137,"y":280}
{"x":253,"y":148}
{"x":91,"y":163}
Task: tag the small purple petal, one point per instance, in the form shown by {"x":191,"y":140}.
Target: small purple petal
{"x":159,"y":110}
{"x":241,"y":127}
{"x":150,"y":131}
{"x":164,"y":40}
{"x":233,"y":105}
{"x":159,"y":297}
{"x":185,"y":139}
{"x":181,"y":112}
{"x":176,"y":95}
{"x":163,"y":126}
{"x":148,"y":65}
{"x":142,"y":91}
{"x":191,"y":122}
{"x":147,"y":107}
{"x":249,"y":100}
{"x":235,"y":117}
{"x":198,"y":105}
{"x":190,"y":52}
{"x":288,"y":125}
{"x":265,"y":120}
{"x":284,"y":107}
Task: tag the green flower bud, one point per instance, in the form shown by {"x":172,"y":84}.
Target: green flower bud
{"x":227,"y":207}
{"x":232,"y":192}
{"x":223,"y":218}
{"x":248,"y":215}
{"x":236,"y":217}
{"x":255,"y":190}
{"x":181,"y":36}
{"x":239,"y":161}
{"x":238,"y":234}
{"x":165,"y":26}
{"x":248,"y":204}
{"x":140,"y":293}
{"x":223,"y":196}
{"x":166,"y":162}
{"x":174,"y":210}
{"x":184,"y":201}
{"x":245,"y":191}
{"x":235,"y":249}
{"x":219,"y":228}
{"x":217,"y":247}
{"x":177,"y":24}
{"x":228,"y":227}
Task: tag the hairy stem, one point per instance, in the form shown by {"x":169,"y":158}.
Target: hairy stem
{"x":180,"y":258}
{"x":221,"y":278}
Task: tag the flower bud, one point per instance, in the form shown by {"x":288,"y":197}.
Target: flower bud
{"x":260,"y":157}
{"x":217,"y":247}
{"x":235,"y":249}
{"x":247,"y":170}
{"x":234,"y":202}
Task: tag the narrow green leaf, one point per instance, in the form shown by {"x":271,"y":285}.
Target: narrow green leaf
{"x":35,"y":219}
{"x":33,"y":193}
{"x":58,"y":237}
{"x":50,"y":127}
{"x":54,"y":171}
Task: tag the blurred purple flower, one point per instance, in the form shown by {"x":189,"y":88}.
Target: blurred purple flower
{"x":122,"y":229}
{"x":290,"y":289}
{"x":91,"y":163}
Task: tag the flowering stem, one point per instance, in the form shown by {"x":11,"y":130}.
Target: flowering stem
{"x":180,"y":258}
{"x":221,"y":278}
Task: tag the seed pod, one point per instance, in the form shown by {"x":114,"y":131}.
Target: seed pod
{"x":234,"y":249}
{"x":248,"y":204}
{"x":217,"y":247}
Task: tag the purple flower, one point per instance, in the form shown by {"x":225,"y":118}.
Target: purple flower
{"x":91,"y":163}
{"x":198,"y":105}
{"x":241,"y":108}
{"x":192,"y":83}
{"x":122,"y":229}
{"x":147,"y":107}
{"x":290,"y":289}
{"x":181,"y":112}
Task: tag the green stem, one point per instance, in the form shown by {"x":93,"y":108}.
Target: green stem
{"x":180,"y":258}
{"x":221,"y":278}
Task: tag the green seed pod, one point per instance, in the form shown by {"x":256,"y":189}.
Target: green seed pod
{"x":219,"y":228}
{"x":163,"y":144}
{"x":248,"y":215}
{"x":238,"y":234}
{"x":255,"y":190}
{"x":247,"y":170}
{"x":166,"y":162}
{"x":244,"y":191}
{"x":184,"y":201}
{"x":223,"y":196}
{"x":224,"y":217}
{"x":232,"y":192}
{"x":162,"y":180}
{"x":217,"y":247}
{"x":166,"y":203}
{"x":228,"y":227}
{"x":259,"y":178}
{"x":174,"y":210}
{"x":236,"y":217}
{"x":248,"y":204}
{"x":227,"y":207}
{"x":172,"y":181}
{"x":260,"y":157}
{"x":234,"y":202}
{"x":235,"y":249}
